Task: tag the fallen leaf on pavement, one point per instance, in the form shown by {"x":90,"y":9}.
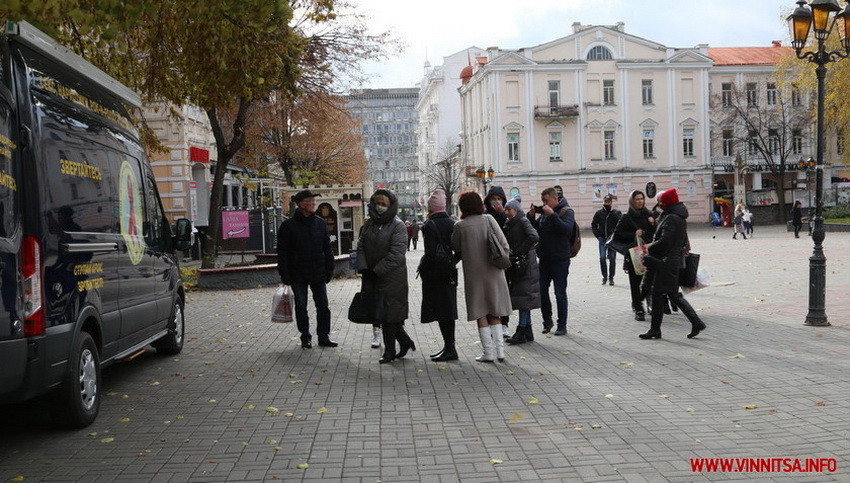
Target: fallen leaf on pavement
{"x":517,"y":417}
{"x":750,"y":406}
{"x":124,"y":420}
{"x":273,"y":410}
{"x":665,"y":396}
{"x":737,"y":356}
{"x":303,"y":466}
{"x":820,"y":403}
{"x":533,"y":400}
{"x":322,"y":410}
{"x":609,"y":396}
{"x":107,"y":440}
{"x":494,"y":461}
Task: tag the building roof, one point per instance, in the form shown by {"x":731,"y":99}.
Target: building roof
{"x":749,"y":55}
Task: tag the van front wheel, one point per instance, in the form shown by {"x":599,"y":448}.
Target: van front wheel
{"x":172,"y":343}
{"x":79,"y":397}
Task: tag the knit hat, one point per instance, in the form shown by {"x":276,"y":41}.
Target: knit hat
{"x":437,"y":201}
{"x":668,"y":197}
{"x":514,"y":203}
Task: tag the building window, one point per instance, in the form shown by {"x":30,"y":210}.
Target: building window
{"x":688,"y":142}
{"x":796,"y":141}
{"x":728,"y":143}
{"x":554,"y":146}
{"x":752,"y":142}
{"x":646,"y":91}
{"x":773,"y":141}
{"x":513,"y":146}
{"x":608,"y":92}
{"x":771,"y":94}
{"x":648,"y":144}
{"x":599,"y":53}
{"x":768,"y":183}
{"x":554,"y":95}
{"x":726,"y":94}
{"x":752,"y":94}
{"x":608,"y":137}
{"x":796,"y":96}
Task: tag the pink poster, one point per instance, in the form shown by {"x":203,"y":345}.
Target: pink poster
{"x":234,"y":224}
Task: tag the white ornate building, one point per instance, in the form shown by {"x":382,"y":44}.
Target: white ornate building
{"x":598,"y":111}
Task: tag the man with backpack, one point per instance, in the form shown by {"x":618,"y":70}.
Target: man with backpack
{"x":557,"y":229}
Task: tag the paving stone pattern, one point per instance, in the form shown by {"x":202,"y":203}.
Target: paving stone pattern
{"x":610,"y":407}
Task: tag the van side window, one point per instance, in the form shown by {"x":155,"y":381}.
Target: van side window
{"x":9,"y":196}
{"x":154,"y":226}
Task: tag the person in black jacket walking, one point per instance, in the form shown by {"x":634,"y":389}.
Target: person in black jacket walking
{"x":797,"y":218}
{"x":663,"y":262}
{"x":524,"y":273}
{"x":305,"y":259}
{"x":603,"y":224}
{"x":637,"y":223}
{"x":439,"y":275}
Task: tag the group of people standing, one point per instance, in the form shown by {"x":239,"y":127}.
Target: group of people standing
{"x":540,"y":244}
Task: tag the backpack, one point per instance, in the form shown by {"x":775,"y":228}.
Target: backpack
{"x":441,"y":265}
{"x":575,"y":239}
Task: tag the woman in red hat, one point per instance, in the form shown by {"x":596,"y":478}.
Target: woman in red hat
{"x":663,"y":262}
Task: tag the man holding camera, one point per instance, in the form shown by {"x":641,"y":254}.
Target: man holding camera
{"x":555,"y":227}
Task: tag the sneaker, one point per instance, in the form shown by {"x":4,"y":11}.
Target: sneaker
{"x":376,"y":339}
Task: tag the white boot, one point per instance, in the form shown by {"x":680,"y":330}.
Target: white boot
{"x":498,"y":331}
{"x":376,"y":337}
{"x":487,"y":344}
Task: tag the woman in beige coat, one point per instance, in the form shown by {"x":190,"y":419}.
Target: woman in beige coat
{"x":487,"y":295}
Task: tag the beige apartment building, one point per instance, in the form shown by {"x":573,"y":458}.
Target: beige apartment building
{"x":599,"y":111}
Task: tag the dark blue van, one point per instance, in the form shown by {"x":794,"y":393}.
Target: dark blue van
{"x":88,"y":273}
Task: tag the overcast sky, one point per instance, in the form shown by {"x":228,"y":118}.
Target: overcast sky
{"x":435,"y":28}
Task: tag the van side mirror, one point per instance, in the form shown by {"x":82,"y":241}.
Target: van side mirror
{"x":184,"y":234}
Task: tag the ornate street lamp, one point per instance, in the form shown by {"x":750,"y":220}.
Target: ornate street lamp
{"x":485,"y":176}
{"x":817,"y":14}
{"x":808,"y":166}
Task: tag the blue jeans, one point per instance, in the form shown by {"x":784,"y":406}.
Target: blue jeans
{"x":524,"y":318}
{"x":554,"y":272}
{"x":609,"y":254}
{"x":323,"y":312}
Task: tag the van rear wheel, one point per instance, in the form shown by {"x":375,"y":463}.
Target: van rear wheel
{"x":172,"y":343}
{"x":79,"y":396}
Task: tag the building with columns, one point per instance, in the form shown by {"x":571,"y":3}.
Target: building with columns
{"x":596,"y":112}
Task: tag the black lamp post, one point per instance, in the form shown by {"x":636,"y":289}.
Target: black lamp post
{"x":485,"y":176}
{"x":809,"y":166}
{"x":818,"y":13}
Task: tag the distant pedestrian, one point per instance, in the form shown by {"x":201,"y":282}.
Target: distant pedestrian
{"x":439,"y":275}
{"x":797,"y":218}
{"x":523,"y":275}
{"x":636,"y":224}
{"x":494,"y":205}
{"x":738,"y":222}
{"x":382,"y":243}
{"x":414,"y":228}
{"x":664,"y":261}
{"x":555,"y":228}
{"x":305,"y":259}
{"x":748,"y":221}
{"x":603,"y":224}
{"x":485,"y":286}
{"x":409,"y":229}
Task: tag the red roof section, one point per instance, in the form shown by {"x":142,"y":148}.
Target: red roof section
{"x":749,"y":55}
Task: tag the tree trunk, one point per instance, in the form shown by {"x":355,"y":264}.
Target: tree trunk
{"x":225,"y":152}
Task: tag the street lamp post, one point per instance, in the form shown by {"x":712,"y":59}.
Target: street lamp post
{"x":485,"y":176}
{"x":819,"y":13}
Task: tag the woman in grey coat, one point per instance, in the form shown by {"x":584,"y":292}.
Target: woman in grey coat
{"x":524,"y":274}
{"x":487,"y":295}
{"x":383,"y":242}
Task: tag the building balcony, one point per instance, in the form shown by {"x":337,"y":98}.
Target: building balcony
{"x":555,"y":112}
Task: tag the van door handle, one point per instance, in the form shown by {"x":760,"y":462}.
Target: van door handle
{"x":89,"y":247}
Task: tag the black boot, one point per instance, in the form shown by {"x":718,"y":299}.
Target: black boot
{"x":505,"y":319}
{"x":529,"y":334}
{"x":519,"y":337}
{"x":449,"y":354}
{"x":697,"y":325}
{"x":640,"y":314}
{"x":658,"y":300}
{"x":405,"y":343}
{"x":447,"y":330}
{"x":389,"y":331}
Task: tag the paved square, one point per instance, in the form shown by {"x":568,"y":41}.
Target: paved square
{"x":244,"y":402}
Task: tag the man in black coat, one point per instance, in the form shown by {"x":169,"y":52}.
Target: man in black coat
{"x":603,"y":224}
{"x":305,"y":259}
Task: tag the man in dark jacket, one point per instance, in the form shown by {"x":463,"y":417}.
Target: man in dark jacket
{"x":304,"y":258}
{"x":555,"y":227}
{"x":603,"y":224}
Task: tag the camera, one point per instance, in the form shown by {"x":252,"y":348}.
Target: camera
{"x":537,"y":209}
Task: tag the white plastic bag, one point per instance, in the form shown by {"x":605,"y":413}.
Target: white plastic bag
{"x":282,"y":305}
{"x":703,"y":280}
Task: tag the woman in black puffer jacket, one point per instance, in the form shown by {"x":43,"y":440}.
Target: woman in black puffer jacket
{"x":663,"y":262}
{"x":637,"y":222}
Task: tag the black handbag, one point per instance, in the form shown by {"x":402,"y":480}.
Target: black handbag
{"x":688,"y":273}
{"x":368,"y":308}
{"x":618,"y":246}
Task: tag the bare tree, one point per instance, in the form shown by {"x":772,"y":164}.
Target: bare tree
{"x":446,"y":174}
{"x":768,"y":126}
